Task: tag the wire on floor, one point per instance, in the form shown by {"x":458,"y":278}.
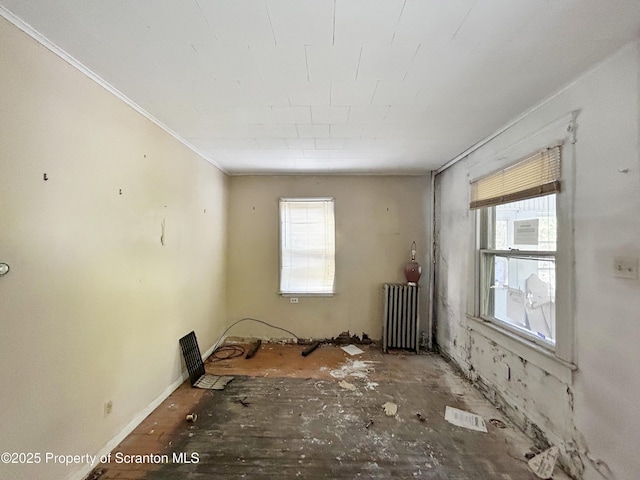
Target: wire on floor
{"x":217,"y":344}
{"x":226,"y":352}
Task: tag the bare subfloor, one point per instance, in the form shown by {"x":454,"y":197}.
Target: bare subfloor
{"x":321,"y":416}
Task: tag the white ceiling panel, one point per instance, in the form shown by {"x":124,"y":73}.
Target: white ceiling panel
{"x":329,"y":114}
{"x":388,"y":62}
{"x":281,"y":64}
{"x":313,"y":131}
{"x":308,"y":93}
{"x":352,"y":93}
{"x":227,"y":62}
{"x":361,"y":22}
{"x":291,"y":115}
{"x":331,"y":63}
{"x":301,"y":143}
{"x":168,"y":21}
{"x":261,"y":93}
{"x":331,"y":86}
{"x":350,"y":130}
{"x":431,"y":22}
{"x":238,"y":22}
{"x":295,"y":22}
{"x":271,"y":143}
{"x":399,"y":92}
{"x":368,"y":114}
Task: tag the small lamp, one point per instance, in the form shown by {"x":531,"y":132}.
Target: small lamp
{"x":412,"y":269}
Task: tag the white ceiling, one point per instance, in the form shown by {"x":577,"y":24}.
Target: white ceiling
{"x":333,"y":86}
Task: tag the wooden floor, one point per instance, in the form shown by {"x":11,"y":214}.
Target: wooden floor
{"x":321,"y":416}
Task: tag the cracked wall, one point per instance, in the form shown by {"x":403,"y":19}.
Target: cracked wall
{"x":590,"y":412}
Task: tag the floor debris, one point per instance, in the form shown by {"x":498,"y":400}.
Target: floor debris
{"x":192,"y":417}
{"x":544,"y":463}
{"x":212,"y":382}
{"x":310,"y":348}
{"x":352,"y":350}
{"x":253,"y":349}
{"x":497,"y":423}
{"x":369,"y":424}
{"x":353,"y":368}
{"x":243,"y":402}
{"x":420,"y":417}
{"x":390,"y":409}
{"x":464,"y":419}
{"x":347,"y":386}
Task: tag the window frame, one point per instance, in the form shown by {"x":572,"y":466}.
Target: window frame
{"x":559,"y":362}
{"x":485,"y":255}
{"x":281,"y":290}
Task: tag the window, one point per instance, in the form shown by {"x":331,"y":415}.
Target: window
{"x":518,"y":237}
{"x":307,"y":246}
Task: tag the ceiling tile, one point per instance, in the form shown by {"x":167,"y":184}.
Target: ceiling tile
{"x":228,"y":62}
{"x":290,"y":115}
{"x":366,"y":21}
{"x":313,"y":131}
{"x":346,"y":130}
{"x":406,"y":114}
{"x":258,"y":92}
{"x":301,"y":143}
{"x":167,"y":20}
{"x":272,"y":143}
{"x":352,"y":93}
{"x":331,"y":63}
{"x":301,"y":23}
{"x":308,"y":93}
{"x":399,"y":92}
{"x":280,"y":64}
{"x":213,"y":144}
{"x":431,"y":22}
{"x":387,"y":62}
{"x":278,"y":130}
{"x":240,"y":22}
{"x":329,"y":114}
{"x":368,"y":114}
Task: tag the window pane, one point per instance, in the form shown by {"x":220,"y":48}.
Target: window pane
{"x":307,"y":250}
{"x":526,"y":225}
{"x":521,"y":292}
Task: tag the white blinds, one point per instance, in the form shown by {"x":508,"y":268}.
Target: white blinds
{"x":534,"y":176}
{"x":307,"y":246}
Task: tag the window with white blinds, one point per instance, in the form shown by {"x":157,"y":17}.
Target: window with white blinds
{"x":534,"y":176}
{"x":307,"y":246}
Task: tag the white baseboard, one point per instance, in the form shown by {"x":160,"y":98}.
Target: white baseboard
{"x":137,"y":420}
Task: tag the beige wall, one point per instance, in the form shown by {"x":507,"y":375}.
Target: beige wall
{"x":94,"y":304}
{"x":377,"y":218}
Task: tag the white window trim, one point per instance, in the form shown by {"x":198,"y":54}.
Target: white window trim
{"x":559,"y":362}
{"x":288,"y":294}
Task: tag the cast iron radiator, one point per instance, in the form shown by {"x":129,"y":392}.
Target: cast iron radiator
{"x":401,"y":317}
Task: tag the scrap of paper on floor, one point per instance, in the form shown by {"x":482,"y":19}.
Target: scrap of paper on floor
{"x":352,"y":350}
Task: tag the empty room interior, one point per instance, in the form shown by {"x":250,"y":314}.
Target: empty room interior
{"x":401,"y":237}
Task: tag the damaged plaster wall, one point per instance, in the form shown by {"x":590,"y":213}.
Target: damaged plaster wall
{"x":591,"y":412}
{"x":115,"y":234}
{"x":377,"y":218}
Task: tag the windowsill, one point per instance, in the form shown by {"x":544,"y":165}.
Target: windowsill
{"x":535,"y":354}
{"x":296,"y":295}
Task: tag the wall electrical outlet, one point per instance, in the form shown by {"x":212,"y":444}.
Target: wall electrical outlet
{"x":625,"y":267}
{"x":294,"y":300}
{"x":108,"y":407}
